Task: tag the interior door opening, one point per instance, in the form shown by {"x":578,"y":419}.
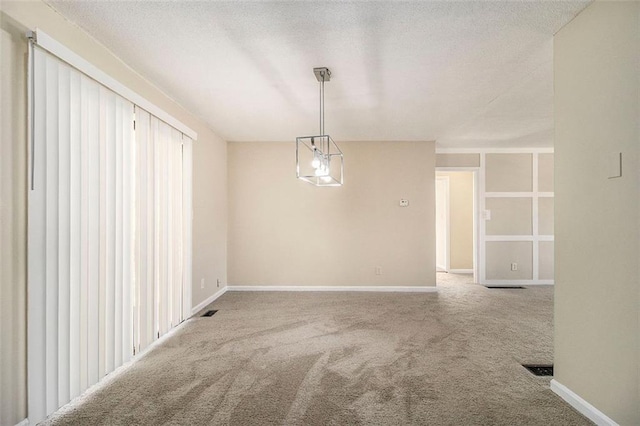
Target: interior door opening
{"x":442,"y":224}
{"x":456,"y":221}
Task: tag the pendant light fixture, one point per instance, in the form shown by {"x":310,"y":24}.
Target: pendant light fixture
{"x":319,"y":161}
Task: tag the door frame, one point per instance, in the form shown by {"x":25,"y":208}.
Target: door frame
{"x":447,"y":236}
{"x":476,"y":218}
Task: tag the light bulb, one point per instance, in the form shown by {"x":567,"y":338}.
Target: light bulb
{"x":317,"y":161}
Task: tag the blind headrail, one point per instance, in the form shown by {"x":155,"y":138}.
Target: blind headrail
{"x":48,"y":43}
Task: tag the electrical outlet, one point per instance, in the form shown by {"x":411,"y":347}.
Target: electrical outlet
{"x":202,"y":283}
{"x":378,"y":270}
{"x":218,"y":282}
{"x":514,"y":266}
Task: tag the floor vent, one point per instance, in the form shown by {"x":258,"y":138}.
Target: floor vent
{"x":210,"y":313}
{"x":539,"y":370}
{"x":503,"y":287}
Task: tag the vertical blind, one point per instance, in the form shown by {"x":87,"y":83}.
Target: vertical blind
{"x":161,"y":233}
{"x":109,"y":240}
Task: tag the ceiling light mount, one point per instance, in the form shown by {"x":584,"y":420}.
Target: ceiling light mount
{"x":319,"y":161}
{"x":322,"y":74}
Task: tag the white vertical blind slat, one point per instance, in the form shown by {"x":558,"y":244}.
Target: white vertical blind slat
{"x":94,"y":239}
{"x":151,"y":220}
{"x":176,"y":205}
{"x":84,"y":239}
{"x":157,"y":178}
{"x":51,"y":236}
{"x":109,"y":231}
{"x":64,"y":231}
{"x":135,"y":242}
{"x":186,"y":225}
{"x":103,"y":259}
{"x":117,"y":283}
{"x":75,"y":232}
{"x":36,"y":324}
{"x":169,"y":245}
{"x":163,"y":227}
{"x":144,"y":242}
{"x":128,"y":194}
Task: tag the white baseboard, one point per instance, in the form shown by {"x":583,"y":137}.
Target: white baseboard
{"x":208,"y":300}
{"x":586,"y":409}
{"x":517,"y":282}
{"x":461,"y":271}
{"x":24,"y":422}
{"x":389,"y":289}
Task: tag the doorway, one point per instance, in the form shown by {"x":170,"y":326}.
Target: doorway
{"x":442,"y":224}
{"x":456,"y":220}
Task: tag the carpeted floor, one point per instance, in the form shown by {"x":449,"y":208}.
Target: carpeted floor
{"x":446,"y":358}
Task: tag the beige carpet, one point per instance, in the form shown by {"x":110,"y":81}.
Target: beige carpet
{"x":446,"y":358}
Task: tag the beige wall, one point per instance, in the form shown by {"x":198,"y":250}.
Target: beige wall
{"x":597,"y":111}
{"x":457,"y":160}
{"x":283,"y":231}
{"x":509,"y":216}
{"x":13,"y":321}
{"x":546,"y":254}
{"x":210,"y":186}
{"x":508,"y":172}
{"x":545,"y":172}
{"x":461,"y":219}
{"x":500,"y":255}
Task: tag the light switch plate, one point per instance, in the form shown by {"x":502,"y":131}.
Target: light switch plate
{"x":614,"y":165}
{"x":486,"y":214}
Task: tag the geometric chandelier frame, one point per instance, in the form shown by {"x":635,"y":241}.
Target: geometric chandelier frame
{"x":319,"y":160}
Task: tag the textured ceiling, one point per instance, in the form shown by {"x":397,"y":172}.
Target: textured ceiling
{"x":461,"y":73}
